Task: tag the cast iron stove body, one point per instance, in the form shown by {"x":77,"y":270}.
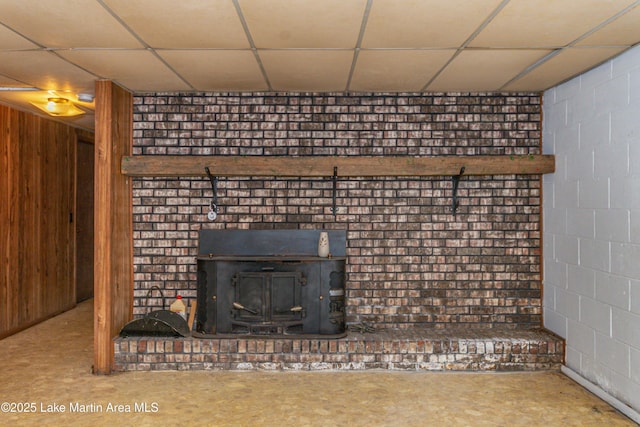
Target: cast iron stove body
{"x":270,"y":282}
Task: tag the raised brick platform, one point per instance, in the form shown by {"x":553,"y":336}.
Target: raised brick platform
{"x":416,"y":350}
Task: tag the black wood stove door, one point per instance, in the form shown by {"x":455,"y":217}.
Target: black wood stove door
{"x":271,"y":296}
{"x":267,"y":297}
{"x":250,"y":295}
{"x":285,"y":297}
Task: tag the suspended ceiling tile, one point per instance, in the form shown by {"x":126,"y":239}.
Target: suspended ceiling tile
{"x":194,"y":24}
{"x":9,"y":82}
{"x":307,"y":70}
{"x":304,"y":23}
{"x":526,"y":23}
{"x":397,"y":70}
{"x":424,"y":23}
{"x":11,"y":40}
{"x":563,"y":66}
{"x":45,"y":70}
{"x":624,"y":31}
{"x":217,"y":70}
{"x":136,"y":70}
{"x":66,"y":23}
{"x":484,"y":70}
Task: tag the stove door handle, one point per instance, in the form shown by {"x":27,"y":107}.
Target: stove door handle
{"x":239,"y":306}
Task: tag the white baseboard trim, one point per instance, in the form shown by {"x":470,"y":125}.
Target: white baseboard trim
{"x":620,"y":406}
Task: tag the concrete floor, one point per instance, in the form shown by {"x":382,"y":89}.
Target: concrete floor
{"x":47,"y":368}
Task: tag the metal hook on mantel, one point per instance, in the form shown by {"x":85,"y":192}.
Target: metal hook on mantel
{"x":213,"y":207}
{"x":456,"y":180}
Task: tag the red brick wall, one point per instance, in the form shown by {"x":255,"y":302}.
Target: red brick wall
{"x":410,"y":261}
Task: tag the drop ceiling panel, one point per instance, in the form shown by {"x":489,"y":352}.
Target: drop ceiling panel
{"x":137,"y":70}
{"x":217,"y":70}
{"x":9,"y":82}
{"x":11,"y":40}
{"x":66,"y":23}
{"x":306,"y":45}
{"x":624,"y":31}
{"x":526,"y":23}
{"x":484,"y":70}
{"x":424,"y":23}
{"x":307,"y":70}
{"x":304,"y":23}
{"x":397,"y":70}
{"x":194,"y":24}
{"x":561,"y":67}
{"x":45,"y":70}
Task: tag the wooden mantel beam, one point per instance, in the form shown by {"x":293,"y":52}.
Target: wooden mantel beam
{"x":323,"y":166}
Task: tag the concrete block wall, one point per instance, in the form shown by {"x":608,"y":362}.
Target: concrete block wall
{"x":410,"y":261}
{"x":592,"y":224}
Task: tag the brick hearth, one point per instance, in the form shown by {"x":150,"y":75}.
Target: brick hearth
{"x":415,"y":349}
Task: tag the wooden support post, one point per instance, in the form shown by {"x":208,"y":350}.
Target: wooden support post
{"x":113,"y":258}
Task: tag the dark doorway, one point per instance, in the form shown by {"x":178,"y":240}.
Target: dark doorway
{"x":84,"y":220}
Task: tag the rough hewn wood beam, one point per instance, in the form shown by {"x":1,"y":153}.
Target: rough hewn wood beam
{"x":323,"y":166}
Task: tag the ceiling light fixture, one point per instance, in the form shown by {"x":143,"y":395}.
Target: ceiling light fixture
{"x":59,"y":107}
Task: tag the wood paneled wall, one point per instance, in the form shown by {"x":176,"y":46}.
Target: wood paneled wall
{"x":37,"y":186}
{"x":113,"y":256}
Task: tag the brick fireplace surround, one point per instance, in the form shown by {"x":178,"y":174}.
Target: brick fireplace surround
{"x":443,"y":291}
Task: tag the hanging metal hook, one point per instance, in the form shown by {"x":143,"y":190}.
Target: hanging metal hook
{"x":213,"y":207}
{"x":456,"y":180}
{"x":334,"y":209}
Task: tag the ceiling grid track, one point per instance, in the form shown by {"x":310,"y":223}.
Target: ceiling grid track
{"x":254,"y":49}
{"x":356,"y":53}
{"x":555,"y":52}
{"x":40,"y":47}
{"x":146,"y":46}
{"x":466,"y":43}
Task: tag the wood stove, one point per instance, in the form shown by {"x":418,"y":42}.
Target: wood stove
{"x":270,"y":282}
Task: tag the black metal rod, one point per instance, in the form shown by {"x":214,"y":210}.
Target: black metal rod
{"x":214,"y":188}
{"x":456,"y":181}
{"x":334,"y":209}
